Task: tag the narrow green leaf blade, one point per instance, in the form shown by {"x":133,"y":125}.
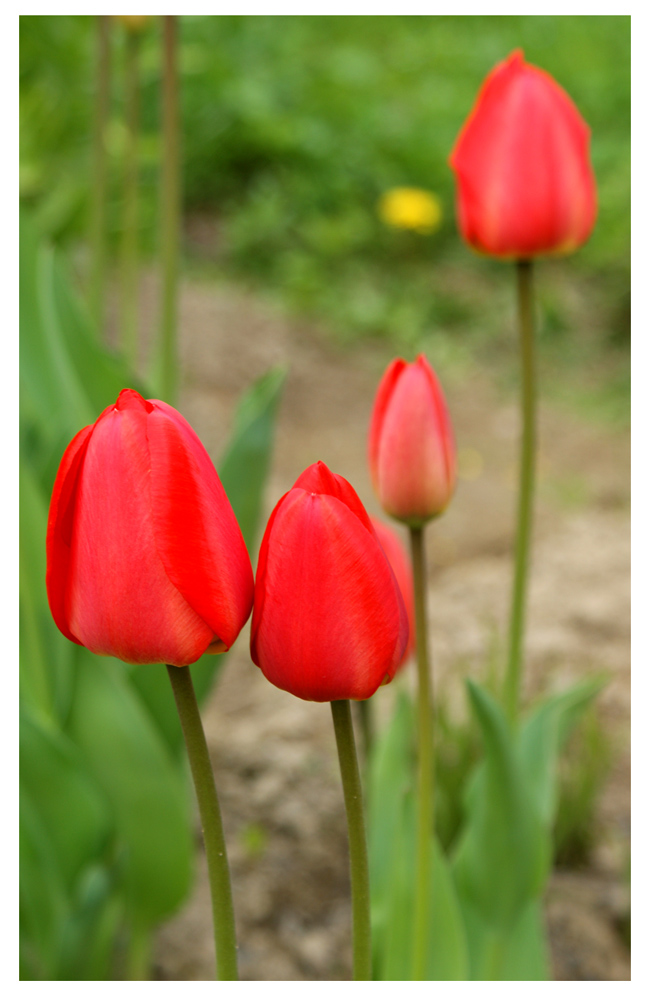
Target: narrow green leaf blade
{"x":392,"y":848}
{"x":244,"y":467}
{"x":70,"y":805}
{"x":147,"y":793}
{"x":503,"y":855}
{"x":542,"y":736}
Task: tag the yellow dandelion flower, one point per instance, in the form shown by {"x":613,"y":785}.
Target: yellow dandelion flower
{"x":133,"y":22}
{"x":411,"y":208}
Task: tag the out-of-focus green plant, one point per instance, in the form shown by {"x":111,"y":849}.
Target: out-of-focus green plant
{"x":294,"y":128}
{"x":582,"y":775}
{"x":106,"y":836}
{"x":487,"y":886}
{"x":583,"y":770}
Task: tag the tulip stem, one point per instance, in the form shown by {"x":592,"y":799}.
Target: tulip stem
{"x":359,"y":877}
{"x":366,"y":721}
{"x":215,"y":845}
{"x":166,"y":370}
{"x":129,"y":310}
{"x":138,"y":954}
{"x":99,"y":173}
{"x":526,"y":487}
{"x":425,"y":824}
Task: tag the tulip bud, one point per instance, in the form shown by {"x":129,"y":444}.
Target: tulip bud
{"x":411,"y":449}
{"x":329,"y":621}
{"x":145,"y":559}
{"x":525,"y":181}
{"x":401,"y":565}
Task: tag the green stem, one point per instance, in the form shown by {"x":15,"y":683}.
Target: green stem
{"x":526,"y":487}
{"x":138,"y":955}
{"x":359,"y":878}
{"x":99,"y":174}
{"x":167,"y":363}
{"x":364,"y":714}
{"x":425,"y":825}
{"x":494,"y":956}
{"x":129,"y":309}
{"x":215,"y":845}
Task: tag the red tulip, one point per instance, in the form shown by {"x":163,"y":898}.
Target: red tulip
{"x":401,"y":565}
{"x":525,"y":182}
{"x":145,"y":559}
{"x":329,"y":621}
{"x":411,"y":449}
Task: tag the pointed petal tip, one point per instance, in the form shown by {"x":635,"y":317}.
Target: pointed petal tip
{"x":129,"y":398}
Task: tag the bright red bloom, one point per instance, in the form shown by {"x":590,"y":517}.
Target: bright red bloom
{"x":525,"y":181}
{"x":411,"y":451}
{"x":145,"y":559}
{"x":401,"y":565}
{"x":329,"y":621}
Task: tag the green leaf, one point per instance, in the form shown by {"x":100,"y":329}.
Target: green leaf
{"x":244,"y":467}
{"x":392,"y":834}
{"x":152,"y":685}
{"x":88,"y":933}
{"x":70,"y":805}
{"x":48,"y":379}
{"x":390,"y":777}
{"x":542,"y":736}
{"x":43,"y":902}
{"x":521,"y":953}
{"x":46,"y":665}
{"x":526,"y":955}
{"x":148,"y":795}
{"x":78,"y":377}
{"x":503,"y":854}
{"x":447,"y":957}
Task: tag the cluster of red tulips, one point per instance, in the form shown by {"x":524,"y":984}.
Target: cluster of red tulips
{"x":145,"y":558}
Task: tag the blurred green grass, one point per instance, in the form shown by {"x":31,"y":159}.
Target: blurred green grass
{"x":292,"y":129}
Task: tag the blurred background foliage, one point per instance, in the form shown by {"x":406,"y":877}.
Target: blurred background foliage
{"x":294,"y":127}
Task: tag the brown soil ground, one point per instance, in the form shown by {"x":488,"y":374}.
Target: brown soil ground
{"x":274,"y":755}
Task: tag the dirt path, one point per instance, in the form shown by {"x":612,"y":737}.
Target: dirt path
{"x":274,"y":755}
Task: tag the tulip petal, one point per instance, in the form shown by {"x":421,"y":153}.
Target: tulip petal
{"x":386,"y":387}
{"x":329,"y":622}
{"x":59,"y":528}
{"x":401,"y":565}
{"x":319,"y":479}
{"x":197,"y":535}
{"x":120,"y":600}
{"x":525,"y":182}
{"x":443,"y":420}
{"x":412,"y":464}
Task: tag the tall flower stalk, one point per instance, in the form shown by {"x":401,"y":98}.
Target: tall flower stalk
{"x":525,"y":188}
{"x":223,"y":914}
{"x":146,"y":562}
{"x":129,"y":267}
{"x":166,"y":360}
{"x":330,"y":625}
{"x":98,"y":186}
{"x":426,"y":755}
{"x":526,"y":487}
{"x":412,"y":459}
{"x":359,"y":876}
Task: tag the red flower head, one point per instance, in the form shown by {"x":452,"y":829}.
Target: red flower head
{"x":411,"y":449}
{"x":329,"y":621}
{"x":401,"y":565}
{"x":145,"y":559}
{"x":525,"y":182}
